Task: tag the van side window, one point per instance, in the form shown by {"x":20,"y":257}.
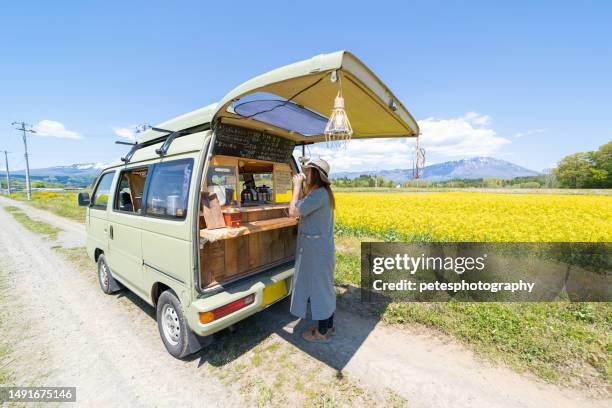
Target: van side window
{"x":99,"y":199}
{"x":130,"y":189}
{"x":169,"y":189}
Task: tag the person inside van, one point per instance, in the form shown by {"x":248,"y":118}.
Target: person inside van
{"x":315,"y":259}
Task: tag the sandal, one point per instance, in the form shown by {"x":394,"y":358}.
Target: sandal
{"x":330,"y":331}
{"x":314,"y":336}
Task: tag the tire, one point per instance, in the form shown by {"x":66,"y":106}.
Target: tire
{"x":172,"y":325}
{"x":108,"y":284}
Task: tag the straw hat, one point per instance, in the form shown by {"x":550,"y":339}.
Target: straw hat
{"x":321,"y":165}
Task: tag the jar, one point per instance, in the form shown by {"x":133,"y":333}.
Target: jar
{"x":232,"y":217}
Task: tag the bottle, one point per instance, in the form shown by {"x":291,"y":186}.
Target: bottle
{"x":253,"y":194}
{"x":245,"y":195}
{"x":269,"y":194}
{"x":265,"y":193}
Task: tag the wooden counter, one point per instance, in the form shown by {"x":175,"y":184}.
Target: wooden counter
{"x":247,"y":228}
{"x":254,"y":208}
{"x":260,"y":212}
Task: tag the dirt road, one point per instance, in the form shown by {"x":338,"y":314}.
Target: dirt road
{"x":66,"y":332}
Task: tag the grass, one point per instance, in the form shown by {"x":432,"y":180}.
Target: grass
{"x":562,"y":342}
{"x":6,"y":375}
{"x":36,"y":226}
{"x":62,"y":203}
{"x":77,"y":256}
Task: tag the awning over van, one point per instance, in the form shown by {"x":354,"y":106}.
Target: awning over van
{"x":295,"y":101}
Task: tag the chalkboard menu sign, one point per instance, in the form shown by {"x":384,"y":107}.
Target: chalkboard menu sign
{"x":251,"y":144}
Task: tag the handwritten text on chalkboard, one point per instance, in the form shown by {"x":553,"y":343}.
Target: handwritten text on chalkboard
{"x":251,"y":144}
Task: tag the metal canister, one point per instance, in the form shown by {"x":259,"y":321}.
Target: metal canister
{"x":245,"y":195}
{"x":269,"y":193}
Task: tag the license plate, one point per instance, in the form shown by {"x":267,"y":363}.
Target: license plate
{"x":273,"y":292}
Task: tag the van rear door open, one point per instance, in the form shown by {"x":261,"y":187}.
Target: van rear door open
{"x":294,"y":102}
{"x":311,"y":86}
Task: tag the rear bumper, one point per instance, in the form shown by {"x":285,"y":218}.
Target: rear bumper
{"x":251,"y":285}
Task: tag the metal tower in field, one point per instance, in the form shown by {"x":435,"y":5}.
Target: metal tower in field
{"x":418,"y":161}
{"x":25,"y":128}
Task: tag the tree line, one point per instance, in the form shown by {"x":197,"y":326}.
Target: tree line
{"x":365,"y":181}
{"x":586,"y":169}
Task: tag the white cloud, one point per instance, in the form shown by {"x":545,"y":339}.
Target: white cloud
{"x":128,"y":132}
{"x":468,"y":135}
{"x":54,"y":128}
{"x":529,"y":133}
{"x":477,"y":119}
{"x":367,"y":154}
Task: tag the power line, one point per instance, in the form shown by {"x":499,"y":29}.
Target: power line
{"x":19,"y":163}
{"x":26,"y":128}
{"x":9,"y":143}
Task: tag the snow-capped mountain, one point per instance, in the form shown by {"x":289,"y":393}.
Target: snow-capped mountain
{"x":76,"y":175}
{"x":474,"y":168}
{"x":477,"y":167}
{"x":80,"y":169}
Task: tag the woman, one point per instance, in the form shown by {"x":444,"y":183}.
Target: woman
{"x":315,"y":259}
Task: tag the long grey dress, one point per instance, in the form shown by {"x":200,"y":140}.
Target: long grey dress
{"x":315,"y":259}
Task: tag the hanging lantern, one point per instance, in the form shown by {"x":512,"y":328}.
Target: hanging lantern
{"x":418,"y":161}
{"x":338,"y":130}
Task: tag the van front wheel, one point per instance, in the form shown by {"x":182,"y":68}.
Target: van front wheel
{"x":108,"y":284}
{"x":172,"y":324}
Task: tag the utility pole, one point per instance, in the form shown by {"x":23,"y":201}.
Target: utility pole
{"x":8,"y":174}
{"x":25,"y":145}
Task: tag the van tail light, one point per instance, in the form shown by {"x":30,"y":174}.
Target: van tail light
{"x":207,"y":317}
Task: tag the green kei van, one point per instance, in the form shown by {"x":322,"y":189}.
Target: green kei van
{"x":194,"y":219}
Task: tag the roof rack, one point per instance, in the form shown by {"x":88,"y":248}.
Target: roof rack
{"x":168,"y":138}
{"x":163,"y":150}
{"x":128,"y":157}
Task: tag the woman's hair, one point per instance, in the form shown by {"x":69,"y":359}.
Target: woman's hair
{"x":314,"y":181}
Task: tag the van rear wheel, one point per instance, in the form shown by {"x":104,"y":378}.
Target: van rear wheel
{"x":172,"y":324}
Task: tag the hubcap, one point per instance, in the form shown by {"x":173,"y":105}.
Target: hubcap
{"x":170,"y":324}
{"x":103,"y":274}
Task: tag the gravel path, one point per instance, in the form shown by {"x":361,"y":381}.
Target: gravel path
{"x":110,"y":349}
{"x":72,"y":335}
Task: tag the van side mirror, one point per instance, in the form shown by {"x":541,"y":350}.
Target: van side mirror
{"x":83,"y":199}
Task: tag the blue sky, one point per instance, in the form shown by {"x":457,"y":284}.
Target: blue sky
{"x":528,"y":82}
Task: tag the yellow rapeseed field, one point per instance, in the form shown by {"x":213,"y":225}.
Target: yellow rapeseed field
{"x":468,"y":216}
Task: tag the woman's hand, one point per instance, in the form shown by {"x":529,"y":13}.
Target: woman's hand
{"x":298,"y":179}
{"x":297,"y":187}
